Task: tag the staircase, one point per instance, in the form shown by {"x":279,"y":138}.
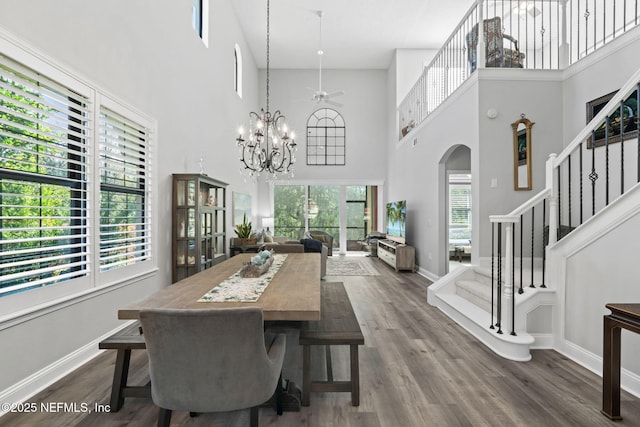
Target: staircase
{"x":466,"y":297}
{"x":496,"y":304}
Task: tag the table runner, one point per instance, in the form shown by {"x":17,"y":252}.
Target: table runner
{"x":244,"y":289}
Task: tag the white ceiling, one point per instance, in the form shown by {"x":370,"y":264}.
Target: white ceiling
{"x":356,"y":34}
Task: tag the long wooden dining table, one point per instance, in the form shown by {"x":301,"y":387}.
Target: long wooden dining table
{"x":292,"y":295}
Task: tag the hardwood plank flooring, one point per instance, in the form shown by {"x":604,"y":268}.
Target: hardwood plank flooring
{"x":418,"y":368}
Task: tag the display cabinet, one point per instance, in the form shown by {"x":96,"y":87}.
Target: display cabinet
{"x":199,"y":221}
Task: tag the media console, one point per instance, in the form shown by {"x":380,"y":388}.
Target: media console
{"x":397,"y":255}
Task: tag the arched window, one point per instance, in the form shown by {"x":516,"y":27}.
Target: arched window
{"x":237,"y":71}
{"x":325,"y":138}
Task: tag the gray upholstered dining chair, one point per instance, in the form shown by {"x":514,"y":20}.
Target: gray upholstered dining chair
{"x":211,"y":360}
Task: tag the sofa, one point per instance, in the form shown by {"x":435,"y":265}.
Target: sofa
{"x":282,"y":245}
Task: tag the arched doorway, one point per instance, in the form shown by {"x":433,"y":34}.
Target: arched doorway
{"x":455,"y":214}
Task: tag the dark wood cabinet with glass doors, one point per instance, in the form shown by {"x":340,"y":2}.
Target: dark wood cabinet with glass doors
{"x":199,"y":219}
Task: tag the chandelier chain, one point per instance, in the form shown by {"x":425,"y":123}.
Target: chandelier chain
{"x":268,"y":37}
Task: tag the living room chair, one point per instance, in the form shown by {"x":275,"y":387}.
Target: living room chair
{"x":496,"y":54}
{"x":211,"y":360}
{"x":324,"y":237}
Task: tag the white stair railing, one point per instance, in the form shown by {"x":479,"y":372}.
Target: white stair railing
{"x":563,"y":198}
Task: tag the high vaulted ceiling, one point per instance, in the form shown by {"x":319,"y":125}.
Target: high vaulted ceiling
{"x":356,"y":34}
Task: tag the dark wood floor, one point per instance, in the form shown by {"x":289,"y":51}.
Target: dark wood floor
{"x":418,"y":368}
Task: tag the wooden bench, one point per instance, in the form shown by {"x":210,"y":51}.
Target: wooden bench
{"x":338,"y":326}
{"x":125,"y":340}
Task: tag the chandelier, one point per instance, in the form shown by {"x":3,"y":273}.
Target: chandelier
{"x":268,"y":146}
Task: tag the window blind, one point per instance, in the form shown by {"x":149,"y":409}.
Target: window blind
{"x":125,"y":221}
{"x":43,"y":180}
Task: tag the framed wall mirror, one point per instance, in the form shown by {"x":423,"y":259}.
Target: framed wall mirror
{"x":522,"y":142}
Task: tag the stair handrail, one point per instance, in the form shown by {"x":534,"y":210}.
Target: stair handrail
{"x":599,"y":118}
{"x":514,"y":215}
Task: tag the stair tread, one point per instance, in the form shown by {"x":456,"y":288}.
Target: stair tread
{"x":475,"y":287}
{"x":476,"y":314}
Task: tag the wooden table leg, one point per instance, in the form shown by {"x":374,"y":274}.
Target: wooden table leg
{"x":611,"y":369}
{"x":355,"y":376}
{"x":306,"y":375}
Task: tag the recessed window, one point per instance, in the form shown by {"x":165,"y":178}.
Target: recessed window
{"x":325,"y":138}
{"x":75,"y":186}
{"x":237,"y":70}
{"x":196,"y":16}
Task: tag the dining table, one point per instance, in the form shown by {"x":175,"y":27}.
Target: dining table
{"x":292,"y":295}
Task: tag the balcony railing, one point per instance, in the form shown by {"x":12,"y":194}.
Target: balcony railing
{"x":529,"y":34}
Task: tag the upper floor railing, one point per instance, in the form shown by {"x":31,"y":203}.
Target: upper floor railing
{"x":528,"y":34}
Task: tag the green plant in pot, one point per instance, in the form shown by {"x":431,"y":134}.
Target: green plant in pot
{"x":244,"y":232}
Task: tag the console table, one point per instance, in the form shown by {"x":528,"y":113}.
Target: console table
{"x":397,"y":255}
{"x":243,"y":249}
{"x":625,"y":316}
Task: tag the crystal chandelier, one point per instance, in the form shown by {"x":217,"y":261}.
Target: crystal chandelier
{"x":268,"y":146}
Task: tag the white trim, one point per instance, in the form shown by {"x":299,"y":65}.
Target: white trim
{"x":62,"y":367}
{"x":31,"y":313}
{"x":24,"y":306}
{"x":237,"y":72}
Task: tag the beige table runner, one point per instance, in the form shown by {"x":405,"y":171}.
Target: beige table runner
{"x":244,"y":289}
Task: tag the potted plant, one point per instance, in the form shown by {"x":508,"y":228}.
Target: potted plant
{"x":244,"y":233}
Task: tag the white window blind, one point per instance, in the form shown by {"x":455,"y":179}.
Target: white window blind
{"x":125,"y":220}
{"x":43,"y":180}
{"x":460,"y":204}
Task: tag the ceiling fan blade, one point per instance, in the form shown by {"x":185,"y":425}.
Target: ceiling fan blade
{"x":335,"y":93}
{"x":334,"y":103}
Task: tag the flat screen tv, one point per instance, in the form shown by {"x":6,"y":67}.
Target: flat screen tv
{"x":397,"y":221}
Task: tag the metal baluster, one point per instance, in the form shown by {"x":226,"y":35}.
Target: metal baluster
{"x":622,"y":147}
{"x":493,"y":239}
{"x":581,"y":184}
{"x":513,"y":277}
{"x":520,"y":291}
{"x":569,"y":180}
{"x":499,"y":307}
{"x":606,"y":161}
{"x":593,"y":176}
{"x":559,"y":205}
{"x":533,"y":218}
{"x":544,"y":246}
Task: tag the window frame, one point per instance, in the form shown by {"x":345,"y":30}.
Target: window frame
{"x":237,"y":70}
{"x":15,"y":305}
{"x":319,"y":135}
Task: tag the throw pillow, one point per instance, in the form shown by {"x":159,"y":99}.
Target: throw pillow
{"x":320,"y":237}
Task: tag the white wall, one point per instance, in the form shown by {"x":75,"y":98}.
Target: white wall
{"x":364,"y":111}
{"x":145,"y":53}
{"x":415,"y":173}
{"x":409,"y":64}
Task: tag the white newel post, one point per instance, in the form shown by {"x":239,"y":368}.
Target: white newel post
{"x":564,"y":42}
{"x":481,"y":52}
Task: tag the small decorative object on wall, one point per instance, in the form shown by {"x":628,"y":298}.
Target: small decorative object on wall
{"x":522,"y":141}
{"x":629,"y":110}
{"x":241,"y":207}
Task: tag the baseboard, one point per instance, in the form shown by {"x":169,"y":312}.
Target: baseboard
{"x":542,"y":342}
{"x":629,"y":381}
{"x":427,"y":274}
{"x":42,"y":379}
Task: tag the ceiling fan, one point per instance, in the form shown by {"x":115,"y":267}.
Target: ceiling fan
{"x":321,"y":95}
